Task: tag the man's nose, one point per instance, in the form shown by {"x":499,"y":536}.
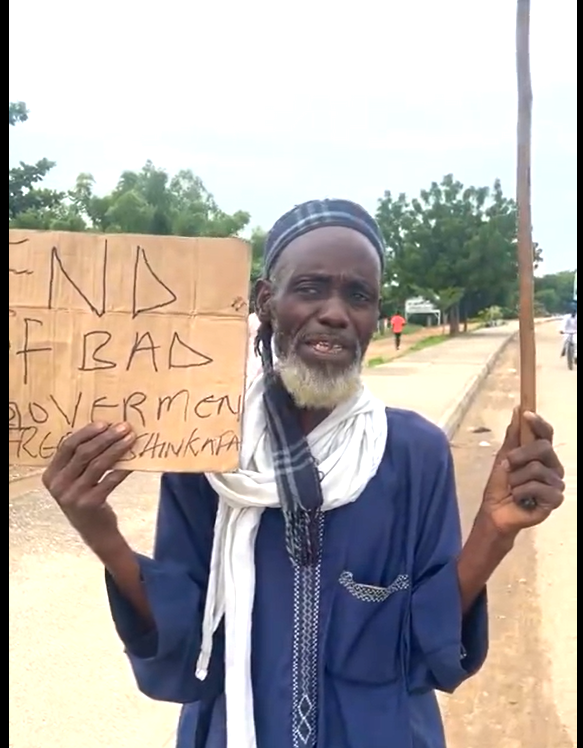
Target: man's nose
{"x":333,"y":313}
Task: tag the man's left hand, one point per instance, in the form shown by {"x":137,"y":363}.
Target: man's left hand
{"x":531,"y":473}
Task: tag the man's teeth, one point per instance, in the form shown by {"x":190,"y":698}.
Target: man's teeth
{"x":324,"y":347}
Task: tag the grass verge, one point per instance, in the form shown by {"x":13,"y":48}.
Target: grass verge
{"x":419,"y":345}
{"x":427,"y":342}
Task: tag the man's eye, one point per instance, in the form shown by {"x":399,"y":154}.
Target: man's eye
{"x":360,"y":297}
{"x":308,"y":290}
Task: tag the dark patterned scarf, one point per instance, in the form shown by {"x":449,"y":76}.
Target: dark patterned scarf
{"x":296,"y":472}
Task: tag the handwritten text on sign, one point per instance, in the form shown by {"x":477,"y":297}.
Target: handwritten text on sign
{"x":150,"y":330}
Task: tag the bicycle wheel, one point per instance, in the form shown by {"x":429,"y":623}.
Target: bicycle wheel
{"x":570,"y":356}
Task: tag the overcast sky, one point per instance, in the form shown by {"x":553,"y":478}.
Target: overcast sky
{"x":272,"y":103}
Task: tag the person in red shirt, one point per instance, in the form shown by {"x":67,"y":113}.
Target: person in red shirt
{"x":397,"y":325}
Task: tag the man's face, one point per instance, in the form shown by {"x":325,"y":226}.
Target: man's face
{"x":323,"y":305}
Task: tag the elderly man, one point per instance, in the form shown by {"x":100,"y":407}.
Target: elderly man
{"x":317,"y":597}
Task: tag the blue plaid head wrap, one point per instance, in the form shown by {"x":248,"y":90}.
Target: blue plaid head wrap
{"x":296,"y":472}
{"x":316,"y":214}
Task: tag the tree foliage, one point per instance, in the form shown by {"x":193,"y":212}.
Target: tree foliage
{"x":24,"y":196}
{"x":148,"y":201}
{"x":453,"y":244}
{"x":554,"y":292}
{"x":257,"y":240}
{"x":17,"y":112}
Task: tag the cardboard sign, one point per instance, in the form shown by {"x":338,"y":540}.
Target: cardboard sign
{"x":146,"y":329}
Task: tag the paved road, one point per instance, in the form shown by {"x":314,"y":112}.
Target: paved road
{"x":68,"y":680}
{"x":526,"y":695}
{"x":556,"y":542}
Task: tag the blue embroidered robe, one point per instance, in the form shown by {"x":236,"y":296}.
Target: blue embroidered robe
{"x":346,"y":656}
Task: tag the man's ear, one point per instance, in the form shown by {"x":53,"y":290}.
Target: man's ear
{"x":263,"y":300}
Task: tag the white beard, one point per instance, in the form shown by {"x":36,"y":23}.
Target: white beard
{"x":317,"y":388}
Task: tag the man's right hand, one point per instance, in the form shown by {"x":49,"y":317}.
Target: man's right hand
{"x":80,"y":478}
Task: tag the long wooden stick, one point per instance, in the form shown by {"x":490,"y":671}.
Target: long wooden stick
{"x":525,"y":247}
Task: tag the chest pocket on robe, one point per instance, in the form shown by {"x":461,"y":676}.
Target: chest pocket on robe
{"x":366,"y":634}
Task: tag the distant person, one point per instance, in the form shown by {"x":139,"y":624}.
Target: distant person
{"x":397,"y":325}
{"x":569,"y":327}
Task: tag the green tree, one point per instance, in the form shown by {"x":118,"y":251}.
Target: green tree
{"x":149,"y":201}
{"x":28,"y":204}
{"x":554,"y":292}
{"x":257,"y":241}
{"x":453,"y":244}
{"x":17,"y":112}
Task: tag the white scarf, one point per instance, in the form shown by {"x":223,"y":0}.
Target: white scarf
{"x":348,"y":447}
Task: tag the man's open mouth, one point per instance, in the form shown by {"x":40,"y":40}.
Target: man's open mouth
{"x":324,"y":347}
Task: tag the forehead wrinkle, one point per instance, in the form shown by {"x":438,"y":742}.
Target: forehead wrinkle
{"x":344,"y":276}
{"x":287,"y":263}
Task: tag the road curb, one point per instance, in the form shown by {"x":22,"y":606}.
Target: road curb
{"x":450,"y":422}
{"x":456,"y":412}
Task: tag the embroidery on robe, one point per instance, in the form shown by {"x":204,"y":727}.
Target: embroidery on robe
{"x":306,"y":592}
{"x":368,"y":593}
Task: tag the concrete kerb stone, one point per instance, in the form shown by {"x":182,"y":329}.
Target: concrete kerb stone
{"x":450,"y":422}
